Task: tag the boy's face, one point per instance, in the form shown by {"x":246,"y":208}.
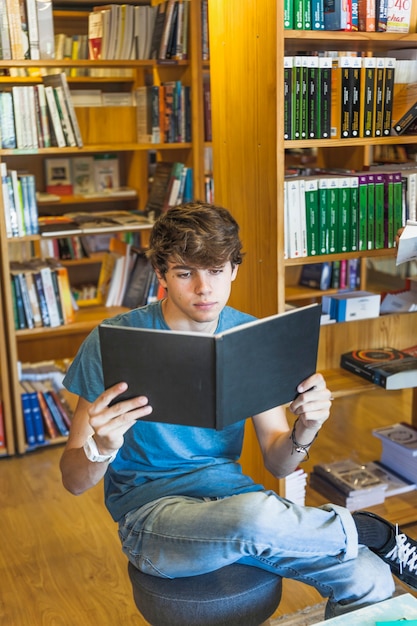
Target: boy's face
{"x":196,"y":296}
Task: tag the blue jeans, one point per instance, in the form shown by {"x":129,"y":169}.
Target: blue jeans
{"x":182,"y":536}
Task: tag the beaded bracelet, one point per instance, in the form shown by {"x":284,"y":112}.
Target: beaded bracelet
{"x":300,"y":447}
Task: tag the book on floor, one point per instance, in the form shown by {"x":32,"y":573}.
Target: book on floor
{"x":387,"y":367}
{"x":212,"y":381}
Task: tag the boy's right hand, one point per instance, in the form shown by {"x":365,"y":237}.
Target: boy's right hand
{"x":110,"y":423}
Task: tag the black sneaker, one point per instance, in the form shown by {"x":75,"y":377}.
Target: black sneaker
{"x":400,"y":552}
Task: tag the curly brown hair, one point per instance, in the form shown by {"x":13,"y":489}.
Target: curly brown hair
{"x":196,"y":233}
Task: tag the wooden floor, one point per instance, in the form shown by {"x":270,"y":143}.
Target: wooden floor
{"x":61,"y":563}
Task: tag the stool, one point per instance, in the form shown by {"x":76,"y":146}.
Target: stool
{"x":236,"y":595}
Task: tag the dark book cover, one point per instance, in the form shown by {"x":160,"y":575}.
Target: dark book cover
{"x":387,"y":367}
{"x":288,"y":62}
{"x":367,"y":99}
{"x":138,"y":282}
{"x":316,"y":275}
{"x":312,"y":96}
{"x":388,"y":95}
{"x":324,"y":97}
{"x":160,"y":187}
{"x":356,"y":87}
{"x":158,"y":30}
{"x":213,"y":381}
{"x":379,"y":97}
{"x":404,"y":108}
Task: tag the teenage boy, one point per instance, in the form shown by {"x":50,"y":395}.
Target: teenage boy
{"x":178,"y":493}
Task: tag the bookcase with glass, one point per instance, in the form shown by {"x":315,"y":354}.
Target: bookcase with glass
{"x":91,"y":192}
{"x":250,"y":166}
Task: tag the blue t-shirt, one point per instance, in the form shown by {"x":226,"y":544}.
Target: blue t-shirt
{"x":158,"y":460}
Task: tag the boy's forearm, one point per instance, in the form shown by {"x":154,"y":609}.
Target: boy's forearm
{"x":78,"y":473}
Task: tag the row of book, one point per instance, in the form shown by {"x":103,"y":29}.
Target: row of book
{"x":41,"y":294}
{"x":19,"y":202}
{"x":334,"y":213}
{"x":172,"y":184}
{"x":45,"y":416}
{"x":39,"y":116}
{"x":339,"y":97}
{"x":349,"y":15}
{"x":26,"y":29}
{"x":357,"y":485}
{"x":47,"y":407}
{"x":139,"y":32}
{"x":164,"y":113}
{"x":339,"y":274}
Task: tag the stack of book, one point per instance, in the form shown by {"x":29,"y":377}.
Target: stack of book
{"x":396,"y":484}
{"x":348,"y":483}
{"x":399,"y":449}
{"x":295,"y":486}
{"x":387,"y":367}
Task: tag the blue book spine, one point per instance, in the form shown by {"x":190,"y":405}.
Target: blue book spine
{"x":27,"y":419}
{"x":37,"y":418}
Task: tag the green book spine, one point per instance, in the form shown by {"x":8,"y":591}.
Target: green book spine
{"x":398,"y":204}
{"x":307,"y":17}
{"x":288,"y":63}
{"x":288,"y":14}
{"x":363,"y":212}
{"x":354,"y":213}
{"x":389,"y":210}
{"x":343,"y":243}
{"x":298,"y":14}
{"x":312,"y":96}
{"x":304,"y":98}
{"x":312,"y":215}
{"x":324,"y":215}
{"x":379,"y":211}
{"x":333,"y":214}
{"x":296,"y":97}
{"x":371,"y":212}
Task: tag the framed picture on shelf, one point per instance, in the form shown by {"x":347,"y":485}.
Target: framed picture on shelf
{"x":58,"y":176}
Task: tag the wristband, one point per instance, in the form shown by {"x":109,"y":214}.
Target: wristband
{"x":92,"y":452}
{"x":300,"y":447}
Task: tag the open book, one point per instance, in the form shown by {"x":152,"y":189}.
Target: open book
{"x":212,"y":381}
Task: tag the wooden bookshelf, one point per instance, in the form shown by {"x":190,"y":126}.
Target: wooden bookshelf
{"x":102,"y":132}
{"x":249,"y":155}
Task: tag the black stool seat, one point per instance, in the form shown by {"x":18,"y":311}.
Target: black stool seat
{"x":236,"y":595}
